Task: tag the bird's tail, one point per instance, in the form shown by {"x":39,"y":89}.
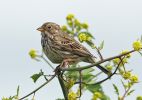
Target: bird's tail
{"x":101,"y":67}
{"x":104,"y":70}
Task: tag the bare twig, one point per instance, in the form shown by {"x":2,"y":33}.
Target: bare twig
{"x":125,"y":93}
{"x":63,"y":77}
{"x":105,"y":78}
{"x":41,"y":56}
{"x":123,"y":65}
{"x":80,"y":85}
{"x":34,"y":91}
{"x":58,"y":72}
{"x":97,"y":63}
{"x":33,"y":96}
{"x":99,"y":53}
{"x":108,"y":76}
{"x":62,"y":84}
{"x":45,"y":77}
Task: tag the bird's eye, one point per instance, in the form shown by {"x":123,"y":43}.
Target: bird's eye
{"x":49,"y":27}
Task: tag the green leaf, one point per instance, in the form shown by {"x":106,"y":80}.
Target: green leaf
{"x":90,"y":43}
{"x":35,"y":77}
{"x":129,"y":93}
{"x":88,"y":78}
{"x":105,"y":97}
{"x":123,"y":85}
{"x":101,"y":45}
{"x":72,"y":74}
{"x":18,"y":91}
{"x":87,"y":34}
{"x":86,"y":71}
{"x":116,"y":89}
{"x":97,"y":88}
{"x":94,"y":88}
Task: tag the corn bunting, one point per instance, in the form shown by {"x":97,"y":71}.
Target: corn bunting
{"x":62,"y":48}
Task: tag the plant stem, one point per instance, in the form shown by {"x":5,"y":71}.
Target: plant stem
{"x":100,"y":55}
{"x":105,"y":78}
{"x":95,"y":64}
{"x":62,"y":84}
{"x":41,"y":56}
{"x":125,"y":93}
{"x":34,"y":91}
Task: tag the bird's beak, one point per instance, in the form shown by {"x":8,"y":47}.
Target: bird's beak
{"x":40,"y":29}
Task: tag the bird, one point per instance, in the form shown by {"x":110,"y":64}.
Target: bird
{"x":61,"y":48}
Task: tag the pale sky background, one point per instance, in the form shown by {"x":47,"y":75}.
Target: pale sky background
{"x":117,"y":22}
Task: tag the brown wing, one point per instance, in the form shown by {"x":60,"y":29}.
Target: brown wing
{"x":69,"y":44}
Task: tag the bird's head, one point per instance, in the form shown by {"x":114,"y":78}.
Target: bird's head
{"x":49,"y":28}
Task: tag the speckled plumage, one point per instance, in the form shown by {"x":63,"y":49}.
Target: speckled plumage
{"x":59,"y":46}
